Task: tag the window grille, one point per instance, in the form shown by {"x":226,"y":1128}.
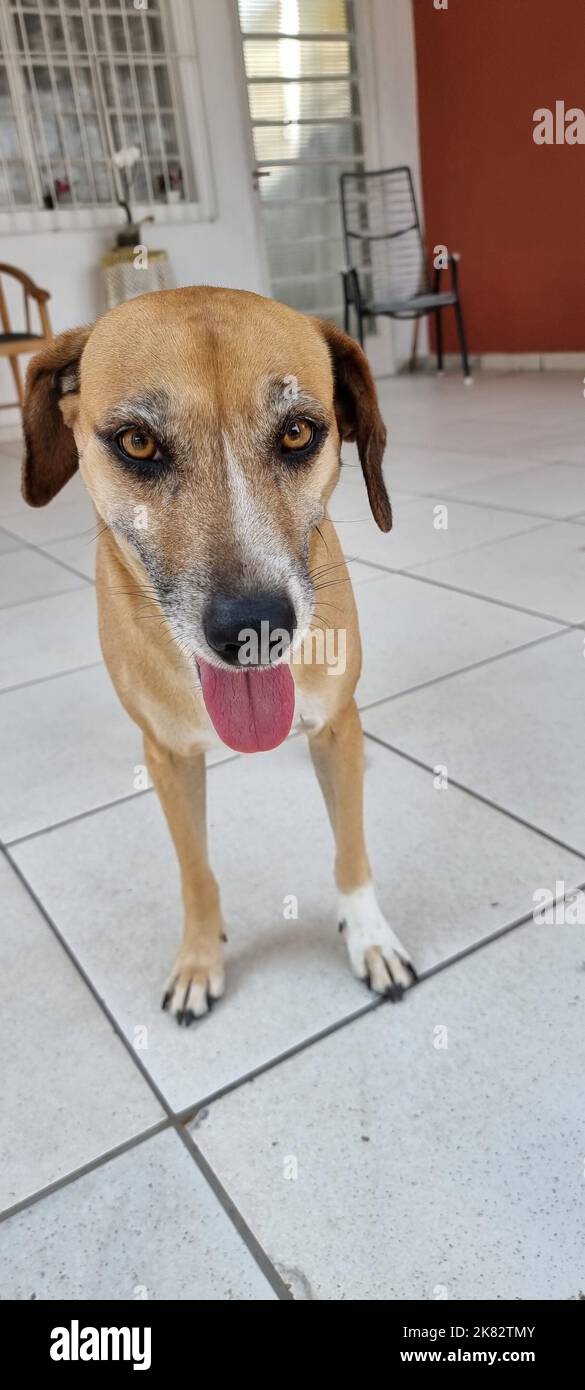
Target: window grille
{"x":79,"y":80}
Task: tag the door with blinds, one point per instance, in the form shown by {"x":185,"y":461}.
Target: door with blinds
{"x":302,"y":86}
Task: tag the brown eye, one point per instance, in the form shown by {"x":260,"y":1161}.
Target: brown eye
{"x":300,"y":434}
{"x":137,"y":444}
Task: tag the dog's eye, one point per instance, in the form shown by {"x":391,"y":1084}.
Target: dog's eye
{"x":137,"y":444}
{"x":299,"y":436}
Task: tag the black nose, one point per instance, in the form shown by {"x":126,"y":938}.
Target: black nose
{"x":238,"y":626}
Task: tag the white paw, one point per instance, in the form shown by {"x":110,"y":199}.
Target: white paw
{"x":193,"y":987}
{"x":375,"y":952}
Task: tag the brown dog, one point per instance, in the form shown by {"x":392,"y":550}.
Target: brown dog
{"x":207,"y":426}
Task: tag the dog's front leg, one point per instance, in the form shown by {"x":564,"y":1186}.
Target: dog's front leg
{"x":197,"y":977}
{"x":375,"y":952}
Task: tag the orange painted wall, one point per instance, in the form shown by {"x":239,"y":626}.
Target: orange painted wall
{"x":515,"y":210}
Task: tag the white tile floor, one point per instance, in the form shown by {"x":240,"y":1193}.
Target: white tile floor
{"x":303,"y":1141}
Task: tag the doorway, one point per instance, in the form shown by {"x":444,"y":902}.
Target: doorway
{"x":302,"y":85}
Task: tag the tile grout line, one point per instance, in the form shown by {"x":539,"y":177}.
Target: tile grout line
{"x":234,"y":1215}
{"x":463,"y":670}
{"x":71,"y":820}
{"x":190,"y":1112}
{"x":467,"y":593}
{"x":56,"y":540}
{"x":552,"y":520}
{"x":91,"y":1166}
{"x":53,"y":676}
{"x":363,"y":709}
{"x":478,"y":796}
{"x":22,"y":602}
{"x":96,"y":810}
{"x":176,"y":1120}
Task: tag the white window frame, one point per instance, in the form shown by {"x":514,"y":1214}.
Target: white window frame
{"x":186,"y":76}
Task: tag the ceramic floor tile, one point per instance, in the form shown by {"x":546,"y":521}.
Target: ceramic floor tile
{"x":479,"y":435}
{"x":431,"y":1150}
{"x":543,"y":570}
{"x":561,"y":446}
{"x":449,"y":870}
{"x":417,"y":537}
{"x":425,"y":470}
{"x":61,"y":518}
{"x":66,"y":745}
{"x":70,"y":1092}
{"x":26,"y":575}
{"x":107,"y":1236}
{"x":49,"y":635}
{"x":512,"y":730}
{"x":77,"y":551}
{"x":349,"y":501}
{"x":8,"y":543}
{"x":361,"y":574}
{"x":414,"y":632}
{"x":552,"y":490}
{"x":10,"y":476}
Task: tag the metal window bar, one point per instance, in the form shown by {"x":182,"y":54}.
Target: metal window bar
{"x":136,"y":94}
{"x":74,"y":86}
{"x":19,"y":105}
{"x":22,"y":61}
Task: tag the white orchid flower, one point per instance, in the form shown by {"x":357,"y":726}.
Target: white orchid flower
{"x":126,"y":158}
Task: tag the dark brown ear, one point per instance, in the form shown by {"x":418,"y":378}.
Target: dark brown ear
{"x":358,"y":415}
{"x":50,"y":458}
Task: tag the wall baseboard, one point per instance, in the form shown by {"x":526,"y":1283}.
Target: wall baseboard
{"x":506,"y":362}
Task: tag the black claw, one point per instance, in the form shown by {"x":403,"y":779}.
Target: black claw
{"x":394,"y":993}
{"x":166,"y":999}
{"x":341,"y":925}
{"x":185,"y":1018}
{"x":210,"y":1000}
{"x":413,"y":972}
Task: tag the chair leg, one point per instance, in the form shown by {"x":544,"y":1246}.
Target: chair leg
{"x":346,"y":316}
{"x":17,"y":374}
{"x":462,"y":340}
{"x":360,"y":327}
{"x":439,"y":338}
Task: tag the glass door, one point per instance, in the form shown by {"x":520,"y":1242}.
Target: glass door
{"x":303,"y":95}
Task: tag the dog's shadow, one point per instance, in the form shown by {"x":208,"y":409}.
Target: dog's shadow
{"x":312,"y":947}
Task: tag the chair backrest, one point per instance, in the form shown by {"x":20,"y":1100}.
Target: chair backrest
{"x":382,"y":233}
{"x":5,"y":320}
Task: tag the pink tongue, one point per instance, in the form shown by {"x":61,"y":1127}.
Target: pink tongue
{"x":251,"y":711}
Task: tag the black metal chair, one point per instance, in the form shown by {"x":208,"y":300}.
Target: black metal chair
{"x":387,"y":264}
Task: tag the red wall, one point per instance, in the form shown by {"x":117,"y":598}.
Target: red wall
{"x":515,"y":210}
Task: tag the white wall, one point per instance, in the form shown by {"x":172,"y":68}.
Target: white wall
{"x":220,"y":252}
{"x":389,"y":98}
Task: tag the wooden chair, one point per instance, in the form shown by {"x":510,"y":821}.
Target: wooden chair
{"x":14,"y":345}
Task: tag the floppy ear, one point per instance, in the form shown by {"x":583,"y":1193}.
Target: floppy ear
{"x":51,"y":396}
{"x":358,"y":415}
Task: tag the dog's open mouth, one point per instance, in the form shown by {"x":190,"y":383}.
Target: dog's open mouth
{"x":251,"y":710}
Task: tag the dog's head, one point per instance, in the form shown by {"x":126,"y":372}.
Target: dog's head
{"x":207,"y":426}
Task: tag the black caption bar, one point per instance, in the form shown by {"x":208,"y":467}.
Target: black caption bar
{"x":141,"y":1338}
